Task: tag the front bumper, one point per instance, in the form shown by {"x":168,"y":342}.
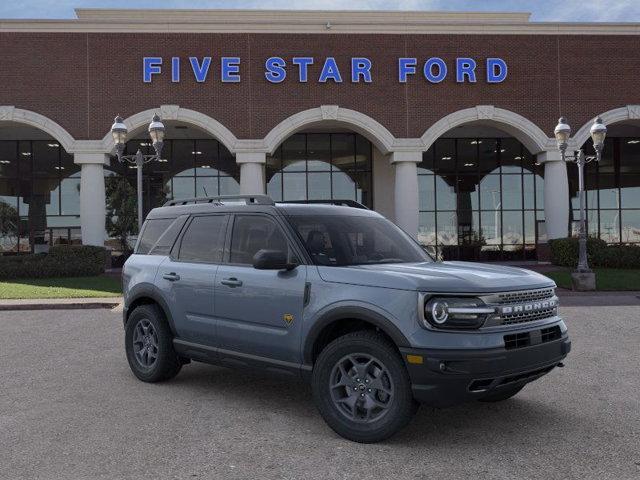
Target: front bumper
{"x":447,"y":377}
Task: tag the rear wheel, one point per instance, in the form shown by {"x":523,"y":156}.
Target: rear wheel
{"x":149,"y":345}
{"x":362,"y":388}
{"x":502,"y":394}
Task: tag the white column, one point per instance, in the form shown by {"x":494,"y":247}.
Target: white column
{"x":556,"y":194}
{"x":92,"y":197}
{"x":251,"y":172}
{"x":406,"y":190}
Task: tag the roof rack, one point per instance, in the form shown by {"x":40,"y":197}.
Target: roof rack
{"x":219,"y":200}
{"x":338,"y":202}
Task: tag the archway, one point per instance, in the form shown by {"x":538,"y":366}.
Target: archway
{"x":327,"y":153}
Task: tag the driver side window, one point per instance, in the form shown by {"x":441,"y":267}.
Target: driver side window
{"x":252,"y":233}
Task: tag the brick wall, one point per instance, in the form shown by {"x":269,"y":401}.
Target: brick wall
{"x":81,"y":80}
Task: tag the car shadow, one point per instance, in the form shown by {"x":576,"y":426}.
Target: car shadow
{"x":468,"y":425}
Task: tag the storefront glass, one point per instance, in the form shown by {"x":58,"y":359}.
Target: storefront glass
{"x":321,"y":166}
{"x":612,"y":192}
{"x":39,"y":196}
{"x":481,"y":198}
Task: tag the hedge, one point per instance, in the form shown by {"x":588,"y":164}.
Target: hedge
{"x":564,"y":252}
{"x":61,"y":261}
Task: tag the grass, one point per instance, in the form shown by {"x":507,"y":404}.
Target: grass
{"x":72,"y":287}
{"x":606,"y":278}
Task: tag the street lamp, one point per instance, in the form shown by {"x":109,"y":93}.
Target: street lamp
{"x":598,"y":133}
{"x":156,"y":132}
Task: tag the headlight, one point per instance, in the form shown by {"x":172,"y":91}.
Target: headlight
{"x":453,"y":312}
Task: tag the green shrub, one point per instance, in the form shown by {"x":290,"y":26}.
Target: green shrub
{"x":564,"y":252}
{"x":61,"y":261}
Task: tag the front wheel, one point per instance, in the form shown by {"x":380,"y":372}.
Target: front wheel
{"x":362,"y":388}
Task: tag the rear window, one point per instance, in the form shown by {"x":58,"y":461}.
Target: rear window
{"x":151,"y":233}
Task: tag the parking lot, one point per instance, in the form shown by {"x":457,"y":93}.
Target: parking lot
{"x":70,"y":408}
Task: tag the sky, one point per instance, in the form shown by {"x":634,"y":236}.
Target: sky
{"x":542,"y":10}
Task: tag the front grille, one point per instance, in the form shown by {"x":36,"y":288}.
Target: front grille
{"x":525,"y":296}
{"x":521,"y":306}
{"x":522,"y":317}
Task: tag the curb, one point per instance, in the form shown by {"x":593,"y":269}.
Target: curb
{"x":67,"y":305}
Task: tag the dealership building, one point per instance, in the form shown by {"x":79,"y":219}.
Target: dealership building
{"x":443,"y":122}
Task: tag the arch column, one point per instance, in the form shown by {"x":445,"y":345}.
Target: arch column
{"x":92,"y":197}
{"x":251,"y":172}
{"x":556,"y":194}
{"x":406,"y":190}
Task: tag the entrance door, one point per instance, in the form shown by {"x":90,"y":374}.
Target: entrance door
{"x":259,"y":312}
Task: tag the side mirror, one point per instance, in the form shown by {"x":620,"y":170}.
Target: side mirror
{"x":272,"y":260}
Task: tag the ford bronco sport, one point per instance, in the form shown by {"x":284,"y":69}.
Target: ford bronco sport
{"x":340,"y":296}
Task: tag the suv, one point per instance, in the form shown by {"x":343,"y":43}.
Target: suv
{"x":337,"y":295}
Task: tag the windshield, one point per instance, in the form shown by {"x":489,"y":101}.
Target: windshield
{"x":341,"y":240}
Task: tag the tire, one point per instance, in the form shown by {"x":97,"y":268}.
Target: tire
{"x":161,"y":361}
{"x":354,"y":408}
{"x":501,"y":395}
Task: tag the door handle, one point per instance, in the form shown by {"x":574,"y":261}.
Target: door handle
{"x":172,"y":277}
{"x":231,"y":282}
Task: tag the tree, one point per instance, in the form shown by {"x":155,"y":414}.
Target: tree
{"x":122,"y":211}
{"x":9,"y":222}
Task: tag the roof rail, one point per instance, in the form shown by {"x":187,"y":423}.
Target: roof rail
{"x":249,"y":199}
{"x":335,"y":201}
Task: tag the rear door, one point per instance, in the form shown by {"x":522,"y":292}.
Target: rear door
{"x":259,"y":312}
{"x":187,"y":277}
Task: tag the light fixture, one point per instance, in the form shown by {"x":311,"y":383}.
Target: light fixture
{"x":5,"y":162}
{"x":562,"y":133}
{"x":156,"y":132}
{"x":119,"y":131}
{"x":205,"y":166}
{"x":446,"y":158}
{"x":503,"y":150}
{"x":25,"y":154}
{"x":517,"y":158}
{"x":162,"y":160}
{"x":476,"y":142}
{"x":145,"y":144}
{"x":196,"y":153}
{"x":58,"y":168}
{"x":598,"y":133}
{"x":633,"y":142}
{"x":469,"y":164}
{"x":53,"y":145}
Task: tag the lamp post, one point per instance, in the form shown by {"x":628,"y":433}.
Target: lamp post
{"x":562,"y":133}
{"x":156,"y":132}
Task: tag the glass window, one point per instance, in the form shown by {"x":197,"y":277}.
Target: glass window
{"x":8,"y":159}
{"x":252,"y":233}
{"x":167,"y":239}
{"x":151,"y":233}
{"x":630,"y":226}
{"x":318,"y":152}
{"x":203,"y":241}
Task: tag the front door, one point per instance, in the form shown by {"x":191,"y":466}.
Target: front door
{"x":259,"y":312}
{"x":188,"y":278}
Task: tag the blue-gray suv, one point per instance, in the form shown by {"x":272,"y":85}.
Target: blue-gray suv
{"x":338,"y":295}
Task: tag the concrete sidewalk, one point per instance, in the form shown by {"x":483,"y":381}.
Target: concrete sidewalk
{"x":59,"y":303}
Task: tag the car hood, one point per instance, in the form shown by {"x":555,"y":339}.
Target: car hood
{"x":454,"y":277}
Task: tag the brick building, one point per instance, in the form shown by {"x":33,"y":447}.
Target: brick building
{"x":443,"y":122}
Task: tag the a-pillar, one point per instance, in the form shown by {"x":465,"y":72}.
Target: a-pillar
{"x":92,"y":197}
{"x":556,"y":194}
{"x":406,"y":190}
{"x":251,"y":172}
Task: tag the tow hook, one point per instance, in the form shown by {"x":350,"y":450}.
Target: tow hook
{"x":560,"y":365}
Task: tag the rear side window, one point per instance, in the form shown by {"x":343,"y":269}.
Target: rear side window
{"x":203,"y":241}
{"x":168,"y":238}
{"x":152,"y":231}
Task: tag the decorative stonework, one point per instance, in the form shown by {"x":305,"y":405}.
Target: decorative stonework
{"x":329,"y":112}
{"x":169,"y":112}
{"x":485,"y":112}
{"x":634,"y":111}
{"x":6,"y":113}
{"x":617,"y":115}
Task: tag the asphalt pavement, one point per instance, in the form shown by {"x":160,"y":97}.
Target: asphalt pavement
{"x":70,"y":408}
